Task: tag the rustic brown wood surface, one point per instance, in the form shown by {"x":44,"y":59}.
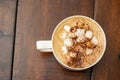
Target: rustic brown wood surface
{"x":23,"y":22}
{"x":107,"y":13}
{"x":36,"y":20}
{"x":7,"y":21}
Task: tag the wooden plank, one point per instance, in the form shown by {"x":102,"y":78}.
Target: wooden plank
{"x":36,"y":21}
{"x":7,"y":16}
{"x":7,"y":19}
{"x":5,"y":57}
{"x":107,"y":13}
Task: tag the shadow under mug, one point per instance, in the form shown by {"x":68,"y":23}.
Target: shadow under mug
{"x":47,"y":45}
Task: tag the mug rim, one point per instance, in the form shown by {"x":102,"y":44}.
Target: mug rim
{"x":78,"y":69}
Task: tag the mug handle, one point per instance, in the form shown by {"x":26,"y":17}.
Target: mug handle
{"x":44,"y":45}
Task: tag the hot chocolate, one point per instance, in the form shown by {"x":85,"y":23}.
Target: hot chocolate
{"x":78,"y":42}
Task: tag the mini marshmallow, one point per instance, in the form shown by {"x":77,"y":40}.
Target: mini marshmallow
{"x":73,"y":55}
{"x":68,"y":42}
{"x":67,"y":28}
{"x":81,"y":49}
{"x":80,"y":32}
{"x":89,"y":51}
{"x":94,"y":41}
{"x":64,"y":35}
{"x":80,"y":39}
{"x":64,"y":49}
{"x":89,"y":34}
{"x":71,"y":35}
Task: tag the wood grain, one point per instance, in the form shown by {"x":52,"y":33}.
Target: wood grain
{"x":107,"y":13}
{"x":36,"y":20}
{"x":5,"y":57}
{"x":7,"y":19}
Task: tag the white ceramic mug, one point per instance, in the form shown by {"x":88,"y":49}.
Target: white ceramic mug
{"x":47,"y":45}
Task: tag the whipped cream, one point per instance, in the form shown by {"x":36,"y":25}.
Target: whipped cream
{"x":68,"y":42}
{"x":94,"y":41}
{"x":89,"y":34}
{"x":67,"y":28}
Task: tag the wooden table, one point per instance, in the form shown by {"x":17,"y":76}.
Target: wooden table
{"x":23,"y":22}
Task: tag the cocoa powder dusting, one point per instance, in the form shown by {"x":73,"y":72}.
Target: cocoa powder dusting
{"x":76,"y":55}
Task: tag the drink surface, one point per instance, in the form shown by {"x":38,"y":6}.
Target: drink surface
{"x":89,"y":53}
